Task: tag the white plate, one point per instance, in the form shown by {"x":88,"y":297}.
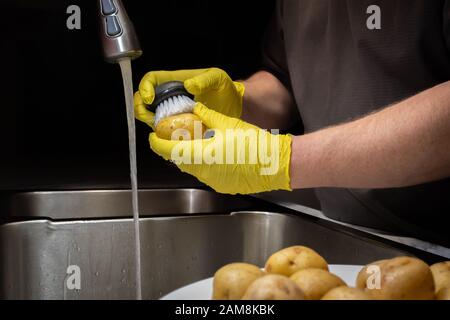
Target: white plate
{"x":202,"y":290}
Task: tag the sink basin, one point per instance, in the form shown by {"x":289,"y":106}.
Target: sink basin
{"x":177,"y":249}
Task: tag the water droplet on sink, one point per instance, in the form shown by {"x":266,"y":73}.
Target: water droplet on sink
{"x":97,"y":273}
{"x":124,"y":271}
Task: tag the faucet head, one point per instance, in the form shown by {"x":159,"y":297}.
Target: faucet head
{"x":117,"y":34}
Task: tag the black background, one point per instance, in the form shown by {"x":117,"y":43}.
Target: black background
{"x":62,"y":114}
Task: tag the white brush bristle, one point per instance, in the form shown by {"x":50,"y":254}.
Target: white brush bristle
{"x":172,"y":106}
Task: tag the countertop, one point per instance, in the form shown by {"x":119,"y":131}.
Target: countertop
{"x":305,"y":198}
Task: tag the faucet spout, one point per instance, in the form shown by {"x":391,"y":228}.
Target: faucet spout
{"x":117,"y":34}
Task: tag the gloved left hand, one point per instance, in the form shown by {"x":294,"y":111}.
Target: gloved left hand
{"x":239,"y":158}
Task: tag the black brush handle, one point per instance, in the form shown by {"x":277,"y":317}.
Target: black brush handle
{"x":167,"y":90}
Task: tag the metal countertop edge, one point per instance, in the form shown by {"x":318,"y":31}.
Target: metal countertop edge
{"x":411,"y":242}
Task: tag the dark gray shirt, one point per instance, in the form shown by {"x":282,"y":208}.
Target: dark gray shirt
{"x":338,"y":68}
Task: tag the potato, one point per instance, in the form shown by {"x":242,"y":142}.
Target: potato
{"x":441,"y":275}
{"x":316,"y":282}
{"x":346,"y":293}
{"x":364,"y":274}
{"x":443,"y":294}
{"x":231,"y":281}
{"x":185,"y":123}
{"x":290,"y":260}
{"x":273,"y":287}
{"x":401,"y":278}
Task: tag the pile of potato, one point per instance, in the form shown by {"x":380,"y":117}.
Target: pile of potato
{"x":300,"y":273}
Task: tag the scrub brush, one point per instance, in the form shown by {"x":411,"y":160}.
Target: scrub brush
{"x":173,"y":107}
{"x":171,"y":98}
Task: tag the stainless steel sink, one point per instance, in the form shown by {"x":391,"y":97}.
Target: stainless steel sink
{"x":116,"y":203}
{"x":176,"y":250}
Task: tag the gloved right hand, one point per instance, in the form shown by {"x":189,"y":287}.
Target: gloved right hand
{"x":212,"y":87}
{"x":239,"y":158}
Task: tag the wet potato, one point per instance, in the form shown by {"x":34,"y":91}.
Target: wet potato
{"x":401,"y":278}
{"x":346,"y":293}
{"x":231,"y":281}
{"x":273,"y":287}
{"x":290,"y":260}
{"x":181,"y":125}
{"x":441,"y":275}
{"x":315,"y":283}
{"x":364,"y":274}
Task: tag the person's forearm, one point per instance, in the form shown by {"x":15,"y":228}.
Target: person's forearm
{"x":402,"y":145}
{"x":267,"y":103}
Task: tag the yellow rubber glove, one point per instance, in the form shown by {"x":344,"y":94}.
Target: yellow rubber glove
{"x":239,"y":158}
{"x":212,"y":87}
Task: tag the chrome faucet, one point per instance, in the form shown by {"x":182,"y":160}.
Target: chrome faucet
{"x":117,"y":33}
